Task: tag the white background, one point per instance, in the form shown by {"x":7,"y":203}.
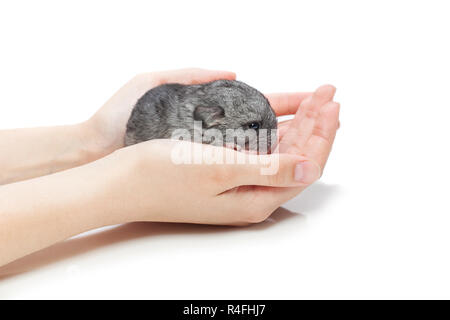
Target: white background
{"x":375,"y":226}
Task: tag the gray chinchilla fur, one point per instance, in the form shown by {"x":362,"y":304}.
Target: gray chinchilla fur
{"x":219,"y":105}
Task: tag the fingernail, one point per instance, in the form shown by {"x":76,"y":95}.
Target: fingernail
{"x":306,"y":172}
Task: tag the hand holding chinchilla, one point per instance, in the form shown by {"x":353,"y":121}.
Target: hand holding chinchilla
{"x":229,"y":113}
{"x":105,"y":131}
{"x":142,"y":182}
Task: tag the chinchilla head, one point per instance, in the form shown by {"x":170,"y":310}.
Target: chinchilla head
{"x":239,"y":113}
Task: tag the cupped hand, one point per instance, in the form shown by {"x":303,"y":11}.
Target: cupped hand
{"x":234,"y":193}
{"x":310,"y":134}
{"x":219,"y":194}
{"x":155,"y":181}
{"x":108,"y":125}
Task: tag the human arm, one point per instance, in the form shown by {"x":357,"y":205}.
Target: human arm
{"x":33,"y":152}
{"x":137,"y":183}
{"x":39,"y":212}
{"x":141,"y":183}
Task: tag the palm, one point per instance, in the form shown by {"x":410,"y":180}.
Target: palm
{"x":310,"y":134}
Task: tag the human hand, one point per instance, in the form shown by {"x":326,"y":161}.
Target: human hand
{"x":231,"y":193}
{"x":108,"y":125}
{"x":310,"y":134}
{"x":143,"y":183}
{"x":151,"y":186}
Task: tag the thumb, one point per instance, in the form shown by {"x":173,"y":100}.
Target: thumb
{"x":276,"y":170}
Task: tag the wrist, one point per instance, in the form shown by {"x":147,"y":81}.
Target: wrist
{"x":116,"y":187}
{"x":91,"y":144}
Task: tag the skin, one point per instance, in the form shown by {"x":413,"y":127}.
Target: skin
{"x":60,"y":191}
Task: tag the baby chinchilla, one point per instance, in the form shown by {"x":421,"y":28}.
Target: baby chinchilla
{"x":229,"y":113}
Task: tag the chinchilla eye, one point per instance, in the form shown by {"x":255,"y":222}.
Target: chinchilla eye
{"x":254,"y":125}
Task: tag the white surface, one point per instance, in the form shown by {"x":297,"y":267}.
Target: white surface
{"x":376,"y":226}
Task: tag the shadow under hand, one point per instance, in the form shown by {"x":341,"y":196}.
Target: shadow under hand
{"x":313,"y":198}
{"x":89,"y":242}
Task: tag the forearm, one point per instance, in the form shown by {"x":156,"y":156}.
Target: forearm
{"x":34,"y":152}
{"x":37,"y":213}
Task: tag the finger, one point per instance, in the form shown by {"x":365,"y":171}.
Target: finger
{"x":319,"y":145}
{"x":275,"y":170}
{"x":286,"y":103}
{"x":317,"y":149}
{"x":194,"y":76}
{"x":258,"y":201}
{"x":224,"y":168}
{"x":328,"y":122}
{"x":303,"y":124}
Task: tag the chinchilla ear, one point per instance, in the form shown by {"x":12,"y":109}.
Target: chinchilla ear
{"x":209,"y":116}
